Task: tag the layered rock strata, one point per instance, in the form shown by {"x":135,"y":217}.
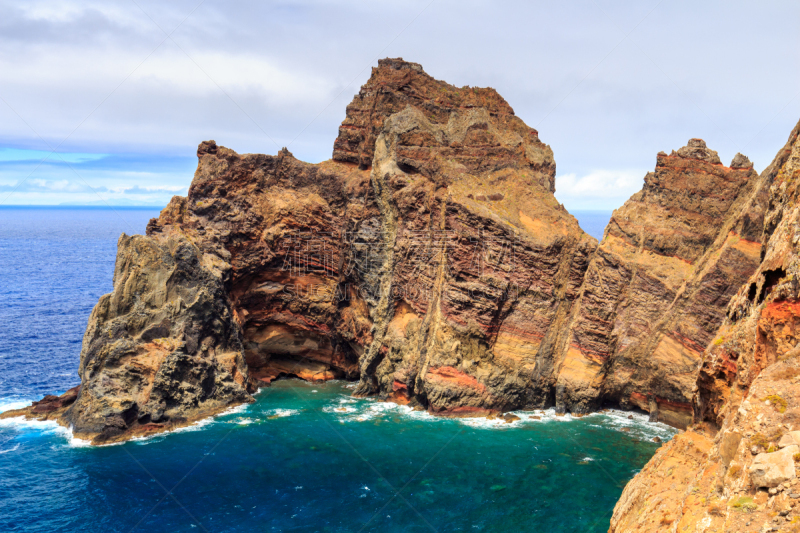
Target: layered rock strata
{"x":429,"y":260}
{"x":658,"y":285}
{"x":736,"y":471}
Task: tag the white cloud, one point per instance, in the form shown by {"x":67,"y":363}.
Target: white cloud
{"x":171,"y":72}
{"x":47,"y":186}
{"x":67,"y":186}
{"x":601,"y":183}
{"x":599,"y":189}
{"x":600,"y":100}
{"x":16,"y":154}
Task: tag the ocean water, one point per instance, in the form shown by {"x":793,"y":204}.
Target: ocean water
{"x":305,"y":457}
{"x":593,"y":222}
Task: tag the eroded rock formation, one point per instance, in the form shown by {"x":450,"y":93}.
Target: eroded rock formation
{"x":736,"y":471}
{"x":429,"y":261}
{"x":657,"y":287}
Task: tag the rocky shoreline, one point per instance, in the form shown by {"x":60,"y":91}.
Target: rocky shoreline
{"x":429,"y":261}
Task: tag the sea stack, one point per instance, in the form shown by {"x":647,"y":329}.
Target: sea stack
{"x":429,"y":260}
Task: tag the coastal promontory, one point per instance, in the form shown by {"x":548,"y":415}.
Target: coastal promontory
{"x":430,"y":263}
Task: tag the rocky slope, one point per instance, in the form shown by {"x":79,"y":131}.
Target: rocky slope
{"x":657,"y":287}
{"x":736,"y":470}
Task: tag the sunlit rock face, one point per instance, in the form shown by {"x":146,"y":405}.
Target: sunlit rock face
{"x":657,"y":287}
{"x":737,"y":471}
{"x":429,"y":262}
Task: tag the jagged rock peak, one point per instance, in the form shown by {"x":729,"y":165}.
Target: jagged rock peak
{"x":207,"y":147}
{"x":697,"y":149}
{"x":396,"y":84}
{"x":398,"y":63}
{"x":741,"y":161}
{"x":746,"y":394}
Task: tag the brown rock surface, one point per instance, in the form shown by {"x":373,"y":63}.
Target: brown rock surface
{"x":748,"y":394}
{"x":774,"y":468}
{"x":429,"y":260}
{"x":658,"y":285}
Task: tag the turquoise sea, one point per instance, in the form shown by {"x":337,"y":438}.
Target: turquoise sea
{"x":305,"y":457}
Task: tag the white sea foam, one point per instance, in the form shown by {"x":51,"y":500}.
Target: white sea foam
{"x":241,"y":408}
{"x":22,"y":423}
{"x":147,"y":439}
{"x":282,"y":412}
{"x":195,"y":426}
{"x":349,"y":409}
{"x":636,"y":425}
{"x":15,"y":448}
{"x":339,"y":409}
{"x":198,"y":425}
{"x":482,"y":423}
{"x":414,"y":414}
{"x":203,"y":422}
{"x":9,"y":404}
{"x":75,"y":442}
{"x":349,"y":399}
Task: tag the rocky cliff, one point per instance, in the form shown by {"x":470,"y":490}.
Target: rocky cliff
{"x":658,"y":285}
{"x":429,"y":261}
{"x":735,"y":470}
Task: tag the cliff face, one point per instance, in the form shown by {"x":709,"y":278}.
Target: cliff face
{"x":429,"y":260}
{"x":657,"y":287}
{"x":736,"y":471}
{"x":163,"y":346}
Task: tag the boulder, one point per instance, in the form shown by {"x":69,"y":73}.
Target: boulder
{"x":771,"y":469}
{"x":789,"y":439}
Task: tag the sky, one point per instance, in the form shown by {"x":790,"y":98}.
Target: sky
{"x":106,"y":102}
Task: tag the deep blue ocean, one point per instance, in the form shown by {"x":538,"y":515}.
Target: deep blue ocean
{"x":593,"y":222}
{"x":304,"y":457}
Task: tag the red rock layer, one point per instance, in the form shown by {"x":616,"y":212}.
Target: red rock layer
{"x":732,"y":362}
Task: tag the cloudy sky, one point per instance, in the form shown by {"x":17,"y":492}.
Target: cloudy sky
{"x":123,"y":91}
